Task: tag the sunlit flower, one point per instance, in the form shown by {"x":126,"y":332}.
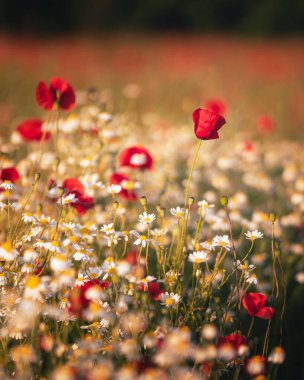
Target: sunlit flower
{"x":170,"y":300}
{"x":178,"y":212}
{"x":146,"y":218}
{"x":7,"y":252}
{"x":222,"y":242}
{"x":7,"y":185}
{"x":28,"y":218}
{"x":108,"y":229}
{"x":141,"y":239}
{"x":198,"y":257}
{"x":253,"y":235}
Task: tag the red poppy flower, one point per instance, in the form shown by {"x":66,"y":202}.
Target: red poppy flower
{"x":72,"y":184}
{"x":58,"y":94}
{"x":207,"y":124}
{"x":10,"y":174}
{"x":78,"y":298}
{"x":135,"y":157}
{"x":132,"y":257}
{"x":31,"y":130}
{"x":216,"y":105}
{"x":254,"y":303}
{"x":83,"y":202}
{"x":127,"y":186}
{"x":152,"y":288}
{"x":265,"y":124}
{"x":236,"y":340}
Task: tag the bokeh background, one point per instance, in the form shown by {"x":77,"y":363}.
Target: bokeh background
{"x":165,"y":57}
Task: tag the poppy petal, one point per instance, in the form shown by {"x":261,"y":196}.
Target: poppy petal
{"x":44,"y":97}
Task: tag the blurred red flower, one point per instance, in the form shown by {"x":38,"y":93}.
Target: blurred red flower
{"x":31,"y":130}
{"x":207,"y":123}
{"x":236,"y":340}
{"x":216,"y":105}
{"x":78,"y":298}
{"x":265,"y":124}
{"x":10,"y":174}
{"x":254,"y":303}
{"x":58,"y":94}
{"x":127,"y":189}
{"x":72,"y":184}
{"x":153,"y":288}
{"x":136,"y":157}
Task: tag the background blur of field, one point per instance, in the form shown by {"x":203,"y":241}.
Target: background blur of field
{"x":172,"y":73}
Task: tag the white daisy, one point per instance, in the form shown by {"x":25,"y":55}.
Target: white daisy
{"x":141,"y":239}
{"x":178,"y":212}
{"x":7,"y":185}
{"x":113,"y":189}
{"x":253,"y":235}
{"x":108,"y":229}
{"x":222,"y":241}
{"x":28,"y":217}
{"x":198,"y":257}
{"x":67,"y":199}
{"x":146,"y":218}
{"x":170,"y":299}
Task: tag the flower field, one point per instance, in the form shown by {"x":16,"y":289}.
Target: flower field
{"x":152,"y":200}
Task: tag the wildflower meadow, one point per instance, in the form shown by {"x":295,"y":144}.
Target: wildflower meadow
{"x":131,"y":249}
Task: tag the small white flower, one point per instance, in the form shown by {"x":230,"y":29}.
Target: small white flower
{"x":59,"y":263}
{"x":141,"y":239}
{"x":146,"y":218}
{"x":108,"y":229}
{"x":252,"y":279}
{"x":113,"y":189}
{"x":67,"y":199}
{"x":253,"y":235}
{"x":170,"y":299}
{"x":198,"y":257}
{"x":209,"y":245}
{"x":178,"y":212}
{"x":222,"y":241}
{"x":53,"y":246}
{"x":81,"y":279}
{"x":7,"y":185}
{"x":27,"y":217}
{"x":204,"y":206}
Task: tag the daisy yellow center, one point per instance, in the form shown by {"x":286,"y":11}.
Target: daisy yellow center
{"x":179,"y":214}
{"x":2,"y":274}
{"x":198,"y":260}
{"x":222,"y":243}
{"x":7,"y":246}
{"x":55,"y":243}
{"x":94,"y":307}
{"x":33,"y":282}
{"x":60,"y":258}
{"x":64,"y":300}
{"x":7,"y":181}
{"x":43,"y":221}
{"x":128,"y":185}
{"x":111,"y":270}
{"x":93,"y":275}
{"x":169,"y":301}
{"x":73,"y":239}
{"x":85,"y":231}
{"x":142,"y":238}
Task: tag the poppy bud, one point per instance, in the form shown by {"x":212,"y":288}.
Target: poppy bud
{"x":37,"y":177}
{"x":190,"y":201}
{"x":143,"y":200}
{"x":115,"y":205}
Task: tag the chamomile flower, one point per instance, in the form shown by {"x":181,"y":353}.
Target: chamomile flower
{"x":205,"y":206}
{"x":68,"y":227}
{"x":81,"y":279}
{"x":244,"y":267}
{"x":222,"y":241}
{"x":108,"y":229}
{"x":46,"y":221}
{"x":141,"y":239}
{"x":170,"y":300}
{"x":208,"y":245}
{"x":28,"y":217}
{"x":94,"y":272}
{"x":178,"y":212}
{"x":7,"y":185}
{"x":252,"y":279}
{"x":64,"y":303}
{"x":34,"y":288}
{"x":146,"y":218}
{"x":67,"y":199}
{"x":253,"y":235}
{"x":113,"y":189}
{"x":7,"y":252}
{"x":198,"y":257}
{"x":59,"y":263}
{"x":83,"y":254}
{"x":53,"y":246}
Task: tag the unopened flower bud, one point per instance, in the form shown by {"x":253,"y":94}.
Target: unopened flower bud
{"x":143,"y":200}
{"x":272,"y":216}
{"x":37,"y":177}
{"x":224,"y":200}
{"x":190,"y":201}
{"x":115,"y":205}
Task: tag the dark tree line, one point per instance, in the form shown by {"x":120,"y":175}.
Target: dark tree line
{"x":266,"y":17}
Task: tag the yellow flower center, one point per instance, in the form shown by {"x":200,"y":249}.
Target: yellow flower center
{"x":170,"y":301}
{"x":33,"y":282}
{"x":7,"y":246}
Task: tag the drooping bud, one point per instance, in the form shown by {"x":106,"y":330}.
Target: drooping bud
{"x":224,"y":200}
